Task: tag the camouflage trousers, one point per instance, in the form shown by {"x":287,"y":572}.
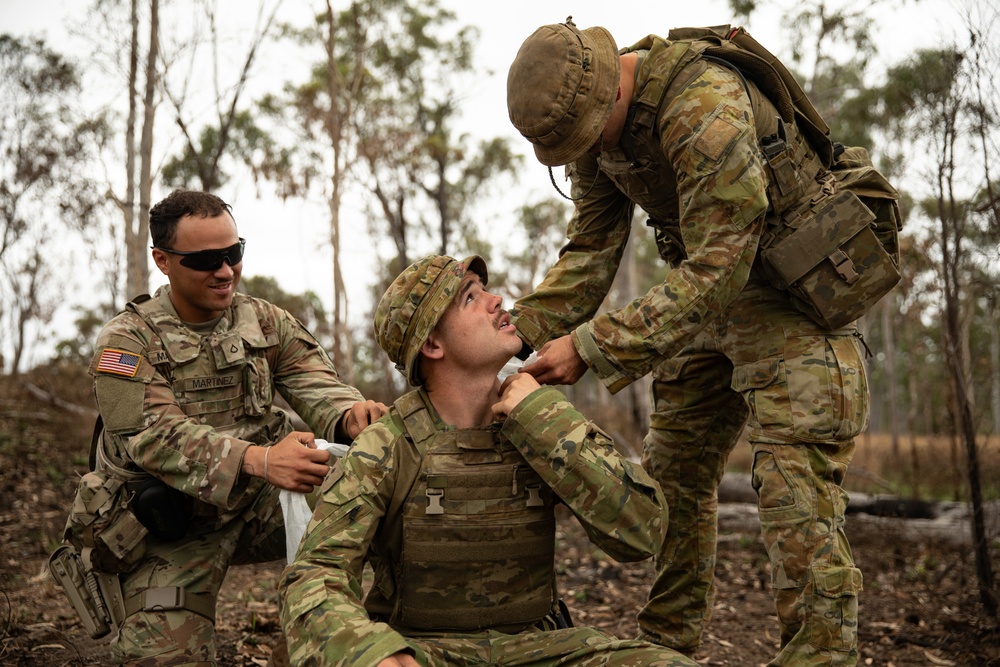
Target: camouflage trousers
{"x":569,"y":647}
{"x":198,"y":564}
{"x":804,"y":393}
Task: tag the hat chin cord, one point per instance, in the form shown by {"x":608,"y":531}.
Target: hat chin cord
{"x":564,"y":195}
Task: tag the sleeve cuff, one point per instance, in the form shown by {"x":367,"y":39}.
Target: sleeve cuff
{"x":530,"y":333}
{"x":525,"y":412}
{"x":586,"y":346}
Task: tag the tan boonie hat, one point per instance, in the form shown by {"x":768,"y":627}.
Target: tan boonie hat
{"x":561,"y":88}
{"x":414,"y":302}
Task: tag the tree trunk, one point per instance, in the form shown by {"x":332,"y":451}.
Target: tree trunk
{"x":995,"y":362}
{"x":889,"y":344}
{"x":146,"y":149}
{"x":952,"y":230}
{"x":911,"y":425}
{"x":134,"y":248}
{"x":343,"y":354}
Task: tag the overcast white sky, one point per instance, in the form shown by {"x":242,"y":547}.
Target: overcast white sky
{"x":287,"y":240}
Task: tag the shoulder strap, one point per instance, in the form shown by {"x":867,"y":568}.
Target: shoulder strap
{"x":416,"y":417}
{"x":642,"y":114}
{"x":146,"y":308}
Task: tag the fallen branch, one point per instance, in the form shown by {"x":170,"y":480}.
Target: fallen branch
{"x":55,"y":401}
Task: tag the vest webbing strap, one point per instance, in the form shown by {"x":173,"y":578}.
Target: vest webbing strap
{"x":455,"y":552}
{"x":171,"y":598}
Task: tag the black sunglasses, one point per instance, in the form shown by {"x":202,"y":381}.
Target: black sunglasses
{"x":209,"y":260}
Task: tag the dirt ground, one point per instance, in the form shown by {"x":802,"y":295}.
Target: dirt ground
{"x":920,"y":605}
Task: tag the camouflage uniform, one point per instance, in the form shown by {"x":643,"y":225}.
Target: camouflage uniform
{"x":360,"y":518}
{"x":183,"y":403}
{"x":723,"y":347}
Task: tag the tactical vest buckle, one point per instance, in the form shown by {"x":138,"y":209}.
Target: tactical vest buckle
{"x":434,"y":497}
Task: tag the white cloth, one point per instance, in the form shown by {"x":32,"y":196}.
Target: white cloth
{"x":514,"y":366}
{"x":295,"y":508}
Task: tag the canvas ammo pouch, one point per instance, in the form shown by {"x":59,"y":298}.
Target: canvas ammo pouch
{"x":838,"y":256}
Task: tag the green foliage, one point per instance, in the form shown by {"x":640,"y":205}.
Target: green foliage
{"x":200,"y":166}
{"x":80,"y":348}
{"x":55,"y":475}
{"x":742,"y":9}
{"x":306,"y":307}
{"x":920,"y":85}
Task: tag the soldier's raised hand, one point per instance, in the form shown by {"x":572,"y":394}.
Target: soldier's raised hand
{"x":513,"y":390}
{"x":558,"y":362}
{"x":399,"y":660}
{"x":359,"y":416}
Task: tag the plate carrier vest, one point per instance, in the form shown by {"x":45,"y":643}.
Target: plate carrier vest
{"x":478,"y":531}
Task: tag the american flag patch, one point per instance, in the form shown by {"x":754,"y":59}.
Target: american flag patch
{"x":118,"y":362}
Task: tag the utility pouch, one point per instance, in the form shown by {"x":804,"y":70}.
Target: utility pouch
{"x":82,"y":590}
{"x":102,"y":524}
{"x":831,"y":262}
{"x":162,"y":509}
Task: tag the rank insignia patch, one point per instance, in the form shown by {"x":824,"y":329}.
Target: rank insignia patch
{"x":118,"y":362}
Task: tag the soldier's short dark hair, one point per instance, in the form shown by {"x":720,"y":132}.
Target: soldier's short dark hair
{"x":164,"y":215}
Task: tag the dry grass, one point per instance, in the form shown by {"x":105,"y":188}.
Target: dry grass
{"x":931,"y":468}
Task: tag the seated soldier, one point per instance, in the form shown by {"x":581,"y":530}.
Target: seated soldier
{"x":450,"y":497}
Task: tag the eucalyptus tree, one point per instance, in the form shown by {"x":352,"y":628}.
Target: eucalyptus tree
{"x":231,"y":129}
{"x":934,"y":91}
{"x":373,"y":124}
{"x":425,"y":176}
{"x":315,"y":123}
{"x":45,"y":187}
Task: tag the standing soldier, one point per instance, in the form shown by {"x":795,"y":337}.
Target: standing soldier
{"x":680,"y":135}
{"x":193,"y":450}
{"x":450,"y":498}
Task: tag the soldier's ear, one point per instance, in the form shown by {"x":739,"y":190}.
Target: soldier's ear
{"x":162,"y":261}
{"x":432,"y":348}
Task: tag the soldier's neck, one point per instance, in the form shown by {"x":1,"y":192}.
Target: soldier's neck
{"x":464,"y":401}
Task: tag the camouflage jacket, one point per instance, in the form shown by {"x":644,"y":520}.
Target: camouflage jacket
{"x":184,"y":406}
{"x":359,"y":519}
{"x":699,"y":175}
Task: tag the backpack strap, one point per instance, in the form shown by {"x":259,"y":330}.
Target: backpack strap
{"x":643,"y":113}
{"x":744,"y":53}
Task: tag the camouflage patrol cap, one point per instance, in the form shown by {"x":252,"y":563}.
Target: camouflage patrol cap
{"x":414,"y":302}
{"x":561,"y":88}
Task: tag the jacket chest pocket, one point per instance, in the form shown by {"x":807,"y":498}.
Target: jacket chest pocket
{"x":230,"y":352}
{"x":258,"y":391}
